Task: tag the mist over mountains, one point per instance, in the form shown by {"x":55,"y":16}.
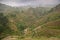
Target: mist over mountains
{"x":30,"y":2}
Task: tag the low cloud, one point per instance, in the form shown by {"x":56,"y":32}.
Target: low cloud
{"x":29,"y":2}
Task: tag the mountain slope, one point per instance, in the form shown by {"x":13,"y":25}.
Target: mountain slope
{"x":50,"y":24}
{"x":22,"y":18}
{"x":39,"y":21}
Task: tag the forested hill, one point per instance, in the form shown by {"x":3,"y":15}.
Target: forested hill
{"x":50,"y":24}
{"x":29,"y":21}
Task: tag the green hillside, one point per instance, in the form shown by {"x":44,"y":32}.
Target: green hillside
{"x":50,"y":24}
{"x":29,"y":22}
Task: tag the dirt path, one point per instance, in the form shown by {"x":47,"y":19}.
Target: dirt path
{"x":11,"y":38}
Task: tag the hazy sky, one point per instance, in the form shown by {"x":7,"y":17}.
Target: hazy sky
{"x":30,"y":2}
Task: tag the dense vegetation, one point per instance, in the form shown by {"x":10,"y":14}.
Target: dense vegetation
{"x":29,"y":22}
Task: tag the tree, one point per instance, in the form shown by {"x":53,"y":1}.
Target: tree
{"x":4,"y":27}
